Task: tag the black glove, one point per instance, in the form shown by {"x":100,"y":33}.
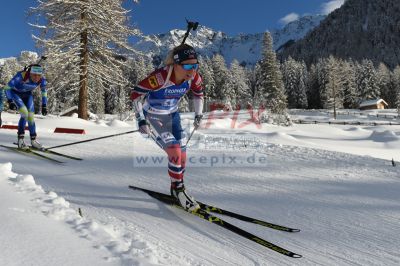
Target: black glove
{"x":11,"y":105}
{"x":197,"y":121}
{"x":44,"y":109}
{"x":144,"y":129}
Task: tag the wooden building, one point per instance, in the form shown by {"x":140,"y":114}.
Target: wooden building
{"x":373,"y":104}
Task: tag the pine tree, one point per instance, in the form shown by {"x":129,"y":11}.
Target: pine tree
{"x":323,"y":79}
{"x":368,"y":81}
{"x":313,"y":88}
{"x":9,"y":69}
{"x":206,"y":73}
{"x":347,"y":72}
{"x":302,"y":84}
{"x":252,"y":79}
{"x":398,"y":103}
{"x":139,"y":68}
{"x":270,"y":91}
{"x":289,"y":76}
{"x":223,"y":83}
{"x":383,"y":76}
{"x":395,"y":88}
{"x":240,"y":87}
{"x":84,"y":40}
{"x":294,"y":75}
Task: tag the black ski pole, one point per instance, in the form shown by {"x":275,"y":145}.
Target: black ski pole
{"x":191,"y":134}
{"x":109,"y":136}
{"x":42,"y":58}
{"x":190,"y":26}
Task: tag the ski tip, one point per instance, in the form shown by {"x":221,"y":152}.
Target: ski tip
{"x":294,"y":230}
{"x":296,"y":256}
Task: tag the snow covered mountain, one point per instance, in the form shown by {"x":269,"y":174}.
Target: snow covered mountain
{"x":358,"y":30}
{"x":246,"y":48}
{"x":296,"y":30}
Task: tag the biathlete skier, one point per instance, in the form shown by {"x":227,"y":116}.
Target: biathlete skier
{"x":155,"y":101}
{"x":19,"y":92}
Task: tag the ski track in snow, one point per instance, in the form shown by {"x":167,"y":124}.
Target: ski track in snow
{"x":122,"y":246}
{"x":347,"y":206}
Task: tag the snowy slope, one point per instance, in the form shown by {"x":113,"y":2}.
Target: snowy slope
{"x":346,"y":205}
{"x":33,"y":226}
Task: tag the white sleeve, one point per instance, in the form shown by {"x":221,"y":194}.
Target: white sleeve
{"x":138,"y":108}
{"x":198,"y":105}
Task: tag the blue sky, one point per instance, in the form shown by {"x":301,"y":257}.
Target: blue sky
{"x":158,"y":16}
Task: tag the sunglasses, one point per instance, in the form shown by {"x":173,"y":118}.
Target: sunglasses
{"x":190,"y":66}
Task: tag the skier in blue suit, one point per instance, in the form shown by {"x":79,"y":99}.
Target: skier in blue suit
{"x":19,"y":94}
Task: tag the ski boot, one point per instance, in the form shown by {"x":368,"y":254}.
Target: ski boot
{"x":21,"y":143}
{"x":187,"y":202}
{"x":35,"y":144}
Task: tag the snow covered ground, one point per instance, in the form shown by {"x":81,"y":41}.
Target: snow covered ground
{"x":335,"y":183}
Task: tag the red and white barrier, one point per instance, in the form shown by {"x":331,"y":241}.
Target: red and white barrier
{"x":11,"y":127}
{"x":69,"y":130}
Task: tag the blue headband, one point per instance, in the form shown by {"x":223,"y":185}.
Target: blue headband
{"x":36,"y":70}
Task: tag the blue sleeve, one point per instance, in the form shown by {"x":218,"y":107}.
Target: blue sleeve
{"x":17,"y":79}
{"x":43,"y":88}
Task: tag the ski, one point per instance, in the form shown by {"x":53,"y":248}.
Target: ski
{"x":218,"y":221}
{"x":31,"y":152}
{"x":44,"y":150}
{"x":214,"y":209}
{"x":57,"y":153}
